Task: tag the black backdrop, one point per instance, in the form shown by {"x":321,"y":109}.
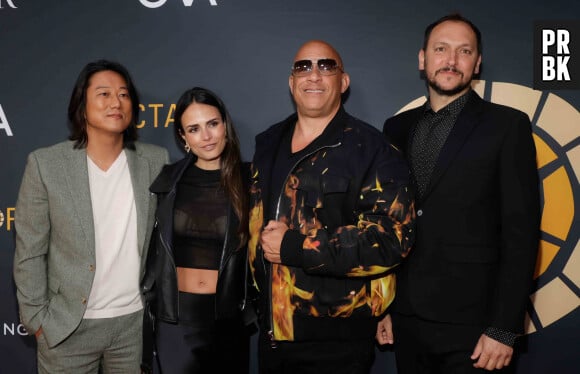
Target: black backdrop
{"x":242,"y":49}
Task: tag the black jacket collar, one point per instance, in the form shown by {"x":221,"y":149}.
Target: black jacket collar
{"x":170,"y":175}
{"x":267,"y":143}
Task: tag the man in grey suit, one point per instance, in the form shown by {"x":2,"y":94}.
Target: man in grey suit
{"x":84,"y":217}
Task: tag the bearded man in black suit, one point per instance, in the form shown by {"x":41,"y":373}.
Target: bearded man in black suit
{"x":463,"y":290}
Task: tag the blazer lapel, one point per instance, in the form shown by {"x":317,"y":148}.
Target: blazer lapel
{"x":468,"y":119}
{"x":77,"y":179}
{"x":140,"y":178}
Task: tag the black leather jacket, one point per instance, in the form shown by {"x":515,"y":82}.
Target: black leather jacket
{"x":159,"y":285}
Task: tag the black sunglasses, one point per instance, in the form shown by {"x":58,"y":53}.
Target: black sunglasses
{"x":326,"y":66}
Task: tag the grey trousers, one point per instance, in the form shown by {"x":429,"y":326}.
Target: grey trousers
{"x":112,"y":345}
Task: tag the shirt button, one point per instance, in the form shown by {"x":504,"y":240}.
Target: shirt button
{"x":84,"y":300}
{"x":420,"y":212}
{"x":92,"y":267}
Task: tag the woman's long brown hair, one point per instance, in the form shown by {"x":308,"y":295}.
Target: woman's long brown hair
{"x":230,"y":160}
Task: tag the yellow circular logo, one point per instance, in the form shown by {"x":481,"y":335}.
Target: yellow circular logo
{"x":557,"y":137}
{"x":1,"y":218}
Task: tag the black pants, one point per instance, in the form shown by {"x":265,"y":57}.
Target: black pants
{"x":316,"y":357}
{"x":198,"y":343}
{"x":425,"y":347}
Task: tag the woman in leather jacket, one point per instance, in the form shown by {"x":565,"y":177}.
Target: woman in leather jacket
{"x":196,"y":270}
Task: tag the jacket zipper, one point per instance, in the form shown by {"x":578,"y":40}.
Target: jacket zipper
{"x":273,"y":343}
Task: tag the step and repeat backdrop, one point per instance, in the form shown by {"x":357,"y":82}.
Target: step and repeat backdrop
{"x":242,"y":50}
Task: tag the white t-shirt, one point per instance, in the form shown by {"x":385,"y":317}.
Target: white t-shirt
{"x":115,"y":289}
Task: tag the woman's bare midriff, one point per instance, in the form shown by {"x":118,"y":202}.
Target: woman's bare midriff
{"x":200,"y":281}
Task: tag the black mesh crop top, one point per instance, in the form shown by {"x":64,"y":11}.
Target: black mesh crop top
{"x":199,"y":221}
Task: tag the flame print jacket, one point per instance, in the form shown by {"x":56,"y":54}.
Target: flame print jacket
{"x":350,"y":215}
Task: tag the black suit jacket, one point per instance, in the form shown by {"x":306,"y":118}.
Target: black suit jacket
{"x":478,"y":222}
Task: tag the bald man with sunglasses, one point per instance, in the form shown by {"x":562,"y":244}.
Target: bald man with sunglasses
{"x":331,"y":215}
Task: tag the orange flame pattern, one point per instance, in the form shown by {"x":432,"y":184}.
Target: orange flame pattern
{"x":256,"y":222}
{"x":382,"y":294}
{"x":355,"y":300}
{"x":283,"y":292}
{"x":363,"y":271}
{"x":403,"y":217}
